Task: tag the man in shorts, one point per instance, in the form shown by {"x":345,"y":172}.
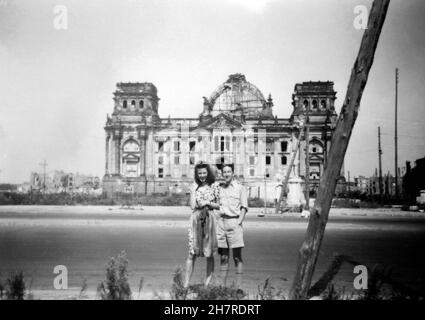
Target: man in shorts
{"x":233,"y":208}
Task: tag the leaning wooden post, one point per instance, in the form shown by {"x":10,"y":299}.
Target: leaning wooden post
{"x":309,"y":250}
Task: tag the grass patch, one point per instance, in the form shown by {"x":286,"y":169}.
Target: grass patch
{"x":116,"y":285}
{"x":14,"y":288}
{"x":201,"y":292}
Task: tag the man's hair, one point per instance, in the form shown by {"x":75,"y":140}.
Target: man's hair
{"x":230,"y":165}
{"x":210,"y":175}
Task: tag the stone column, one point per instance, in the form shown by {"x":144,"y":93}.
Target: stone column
{"x":261,"y":145}
{"x":118,"y":155}
{"x":111,"y":155}
{"x":184,"y":149}
{"x":108,"y":137}
{"x":244,"y":155}
{"x":200,"y":150}
{"x":212,"y":147}
{"x":277,"y":164}
{"x":239,"y":155}
{"x":149,"y":153}
{"x":296,"y":170}
{"x":142,"y":164}
{"x":204,"y":151}
{"x":249,"y":148}
{"x":169,"y":146}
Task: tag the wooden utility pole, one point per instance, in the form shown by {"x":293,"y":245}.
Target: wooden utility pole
{"x":288,"y":171}
{"x":307,"y":159}
{"x":380,"y":163}
{"x":395,"y":135}
{"x":310,"y":248}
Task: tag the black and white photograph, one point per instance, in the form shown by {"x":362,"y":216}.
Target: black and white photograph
{"x":178,"y":150}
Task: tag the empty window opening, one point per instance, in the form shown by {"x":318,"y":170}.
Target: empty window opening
{"x":268,"y":160}
{"x":160,"y":146}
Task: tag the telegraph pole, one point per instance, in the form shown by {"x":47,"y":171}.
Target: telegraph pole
{"x":380,"y":163}
{"x":395,"y":135}
{"x":307,"y":159}
{"x":310,"y":249}
{"x":44,"y":165}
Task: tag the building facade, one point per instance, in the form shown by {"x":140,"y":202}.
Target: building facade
{"x":148,"y":154}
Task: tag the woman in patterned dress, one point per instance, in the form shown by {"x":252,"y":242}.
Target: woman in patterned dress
{"x":202,"y":229}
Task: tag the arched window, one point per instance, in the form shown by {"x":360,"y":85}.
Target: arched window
{"x":130,"y":158}
{"x":133,"y":103}
{"x":283,"y":160}
{"x":315,"y":104}
{"x":323,"y":104}
{"x":305,"y":104}
{"x":316,"y":147}
{"x":124,"y":104}
{"x":227,"y":143}
{"x":141,"y":104}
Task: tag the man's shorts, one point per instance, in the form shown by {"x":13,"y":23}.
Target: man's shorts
{"x":229,"y":233}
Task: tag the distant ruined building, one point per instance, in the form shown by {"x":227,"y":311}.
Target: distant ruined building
{"x":59,"y":181}
{"x":146,"y":154}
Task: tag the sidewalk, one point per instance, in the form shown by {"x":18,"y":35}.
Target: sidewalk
{"x":185,"y":211}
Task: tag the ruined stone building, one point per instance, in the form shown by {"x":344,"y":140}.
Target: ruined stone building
{"x":148,"y":154}
{"x":58,"y":181}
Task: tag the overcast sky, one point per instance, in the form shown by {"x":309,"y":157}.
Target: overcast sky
{"x":56,"y":85}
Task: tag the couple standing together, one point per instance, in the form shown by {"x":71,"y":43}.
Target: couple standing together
{"x":218,"y":211}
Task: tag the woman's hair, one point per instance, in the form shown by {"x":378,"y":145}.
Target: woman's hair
{"x":210,"y":175}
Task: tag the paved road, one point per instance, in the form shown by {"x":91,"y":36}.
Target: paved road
{"x":36,"y":241}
